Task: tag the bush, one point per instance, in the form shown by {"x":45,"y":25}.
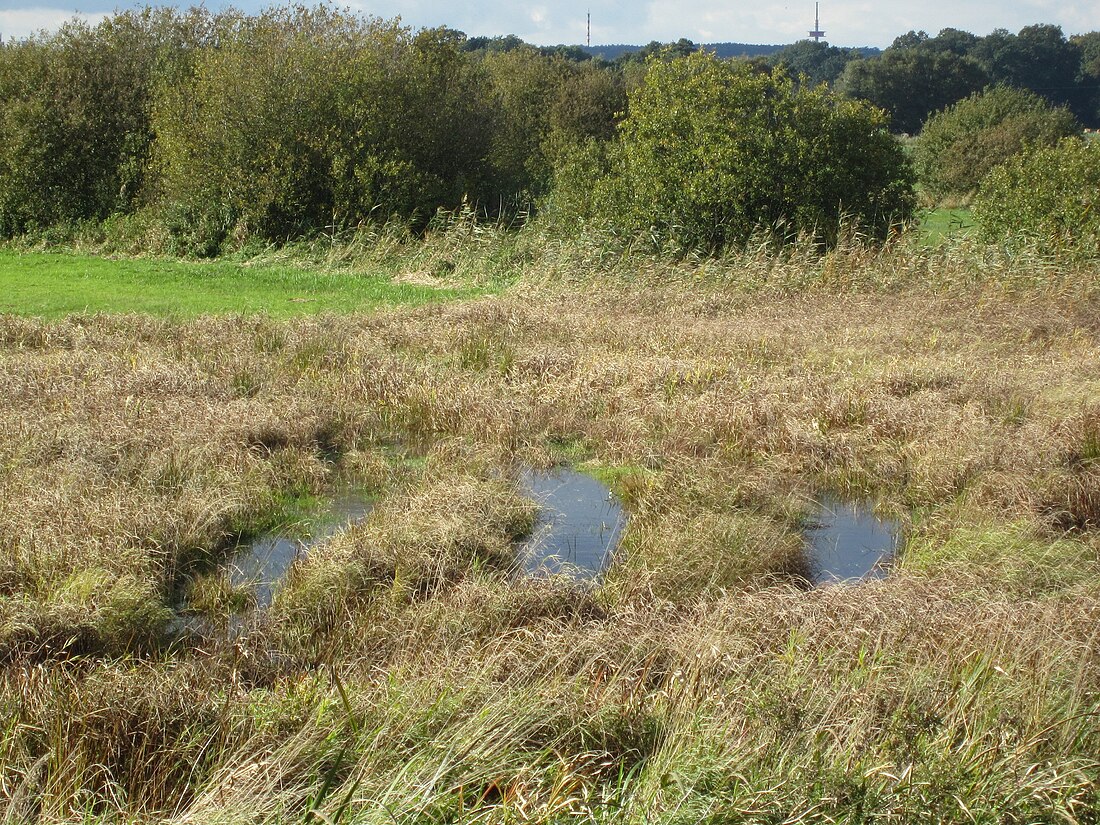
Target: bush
{"x":961,"y":144}
{"x":72,"y":128}
{"x":74,"y":115}
{"x":712,"y":151}
{"x":304,"y":119}
{"x":1047,"y":198}
{"x":544,"y":106}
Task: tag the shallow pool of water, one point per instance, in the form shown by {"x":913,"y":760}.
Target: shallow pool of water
{"x":846,"y":541}
{"x":263,"y":563}
{"x":579,"y":526}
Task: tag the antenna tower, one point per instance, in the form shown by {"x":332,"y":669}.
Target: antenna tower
{"x":817,"y":33}
{"x":589,"y":41}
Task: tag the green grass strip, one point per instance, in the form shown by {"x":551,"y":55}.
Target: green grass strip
{"x":938,"y":224}
{"x":51,"y":285}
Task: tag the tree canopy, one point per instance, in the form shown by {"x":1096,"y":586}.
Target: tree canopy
{"x":713,"y":151}
{"x":909,"y":83}
{"x":220,"y":128}
{"x":919,"y":74}
{"x":960,"y":145}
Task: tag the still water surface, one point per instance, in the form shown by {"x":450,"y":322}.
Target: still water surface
{"x":579,"y":527}
{"x":263,"y":563}
{"x":847,"y":542}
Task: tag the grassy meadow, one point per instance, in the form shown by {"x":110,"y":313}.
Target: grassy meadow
{"x":57,"y":284}
{"x":940,"y":224}
{"x":405,"y":672}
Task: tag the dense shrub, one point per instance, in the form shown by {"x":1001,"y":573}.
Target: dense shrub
{"x":959,"y":145}
{"x":1047,"y":198}
{"x":524,"y":85}
{"x":544,"y":105}
{"x":712,"y":151}
{"x":191,"y":129}
{"x":74,"y":124}
{"x":304,"y":119}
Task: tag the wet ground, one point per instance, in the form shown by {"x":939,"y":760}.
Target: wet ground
{"x":263,"y":563}
{"x":579,"y":527}
{"x":847,"y":541}
{"x":578,"y":531}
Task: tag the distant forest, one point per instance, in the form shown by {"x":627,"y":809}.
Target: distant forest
{"x":918,"y":74}
{"x":725,"y":50}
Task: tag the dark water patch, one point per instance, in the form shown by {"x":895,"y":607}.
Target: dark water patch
{"x":578,"y":528}
{"x":262,"y":564}
{"x":846,"y":541}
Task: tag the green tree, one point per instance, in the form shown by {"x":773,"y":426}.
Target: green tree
{"x":525,"y":86}
{"x":306,"y":118}
{"x":960,"y":145}
{"x":74,"y":114}
{"x":955,"y":41}
{"x":1089,"y":46}
{"x":1040,"y":59}
{"x":1088,"y":76}
{"x":910,"y":40}
{"x":505,"y":43}
{"x":818,"y":62}
{"x":545,"y":106}
{"x":588,"y":104}
{"x":911,"y":82}
{"x":654,"y":48}
{"x":242,"y":142}
{"x":1047,"y":198}
{"x":711,"y":151}
{"x":575,"y":54}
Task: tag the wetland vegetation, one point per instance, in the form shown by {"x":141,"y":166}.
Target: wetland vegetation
{"x":403,"y":672}
{"x":395,"y":380}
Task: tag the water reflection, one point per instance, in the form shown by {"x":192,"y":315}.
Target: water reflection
{"x":847,"y":542}
{"x":263,"y":563}
{"x":579,"y":527}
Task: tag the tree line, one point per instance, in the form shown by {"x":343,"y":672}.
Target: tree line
{"x":277,"y":124}
{"x":221,"y":127}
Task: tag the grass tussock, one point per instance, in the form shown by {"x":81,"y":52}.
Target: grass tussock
{"x":413,"y":544}
{"x":405,"y":672}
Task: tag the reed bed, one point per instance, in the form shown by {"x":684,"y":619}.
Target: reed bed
{"x":407,"y":673}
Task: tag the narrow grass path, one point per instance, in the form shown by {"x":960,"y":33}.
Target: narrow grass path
{"x":52,"y":285}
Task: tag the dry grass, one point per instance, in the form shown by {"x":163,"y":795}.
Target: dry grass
{"x":406,"y":674}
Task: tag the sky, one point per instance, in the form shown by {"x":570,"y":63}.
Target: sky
{"x":847,"y":23}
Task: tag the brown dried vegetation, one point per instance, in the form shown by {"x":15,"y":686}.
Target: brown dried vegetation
{"x":405,"y":672}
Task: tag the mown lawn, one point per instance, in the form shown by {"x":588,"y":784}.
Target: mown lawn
{"x":53,"y":285}
{"x":937,"y":224}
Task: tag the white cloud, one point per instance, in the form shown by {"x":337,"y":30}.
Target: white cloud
{"x":21,"y":22}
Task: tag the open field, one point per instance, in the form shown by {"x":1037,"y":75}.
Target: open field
{"x":405,"y":674}
{"x":52,"y":285}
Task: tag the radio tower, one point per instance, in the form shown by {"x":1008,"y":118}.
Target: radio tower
{"x":817,"y":33}
{"x":589,"y":41}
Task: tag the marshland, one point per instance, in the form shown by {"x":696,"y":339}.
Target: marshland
{"x":404,"y":671}
{"x":270,"y":524}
